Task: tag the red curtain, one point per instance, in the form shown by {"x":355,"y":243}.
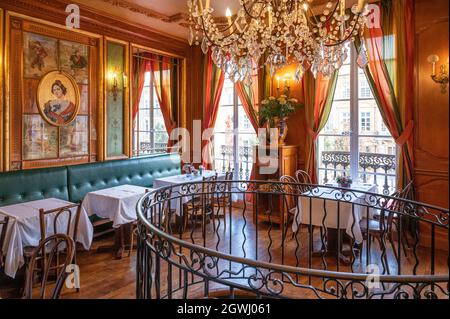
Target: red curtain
{"x":318,"y":94}
{"x":140,"y":66}
{"x":213,"y":84}
{"x":161,"y":71}
{"x":393,"y":90}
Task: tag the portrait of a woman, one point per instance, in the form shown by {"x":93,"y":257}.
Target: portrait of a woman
{"x":59,"y":110}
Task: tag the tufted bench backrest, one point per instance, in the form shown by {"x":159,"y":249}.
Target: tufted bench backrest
{"x":28,"y":185}
{"x":139,"y":171}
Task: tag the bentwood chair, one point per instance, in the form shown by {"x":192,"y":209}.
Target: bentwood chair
{"x":4,"y":220}
{"x":201,"y":206}
{"x":160,"y":213}
{"x":65,"y":221}
{"x":294,"y":186}
{"x":223,"y":197}
{"x":385,"y":221}
{"x":53,"y":253}
{"x":303,"y":177}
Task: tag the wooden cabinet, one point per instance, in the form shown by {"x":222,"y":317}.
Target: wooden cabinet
{"x":272,"y":207}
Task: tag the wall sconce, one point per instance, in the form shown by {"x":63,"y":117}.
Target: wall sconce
{"x":442,"y":77}
{"x":112,"y":75}
{"x":113,"y":78}
{"x":286,"y":84}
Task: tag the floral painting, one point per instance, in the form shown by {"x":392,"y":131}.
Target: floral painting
{"x":73,"y":139}
{"x":58,"y":98}
{"x":40,"y":140}
{"x":40,"y":55}
{"x":74,"y":60}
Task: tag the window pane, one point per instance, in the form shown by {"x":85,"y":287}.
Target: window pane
{"x":377,"y":162}
{"x":342,"y":88}
{"x":364,"y":91}
{"x":339,"y":120}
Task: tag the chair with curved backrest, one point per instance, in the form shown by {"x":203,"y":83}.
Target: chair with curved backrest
{"x":201,"y":205}
{"x":53,"y":253}
{"x":294,"y":188}
{"x":385,"y":220}
{"x":64,"y":221}
{"x":303,"y":178}
{"x":3,"y":229}
{"x":223,"y":197}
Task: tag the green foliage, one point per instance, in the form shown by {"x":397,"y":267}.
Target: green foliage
{"x":272,"y":108}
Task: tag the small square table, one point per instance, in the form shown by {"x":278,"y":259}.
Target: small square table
{"x":118,"y":204}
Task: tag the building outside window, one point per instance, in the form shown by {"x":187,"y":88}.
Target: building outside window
{"x":365,"y":121}
{"x":150,"y":134}
{"x":355,"y":141}
{"x":233,"y":151}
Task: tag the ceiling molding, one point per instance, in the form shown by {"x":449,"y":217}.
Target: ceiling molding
{"x":180,"y":18}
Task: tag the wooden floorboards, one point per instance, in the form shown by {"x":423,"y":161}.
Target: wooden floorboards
{"x":103,"y":277}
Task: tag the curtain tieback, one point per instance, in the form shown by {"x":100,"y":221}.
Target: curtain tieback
{"x":313,"y":134}
{"x":406,"y":134}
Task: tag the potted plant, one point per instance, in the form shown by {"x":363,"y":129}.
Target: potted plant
{"x":344,"y":181}
{"x":274,"y":112}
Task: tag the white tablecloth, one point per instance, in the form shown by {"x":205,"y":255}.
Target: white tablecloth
{"x":176,"y":204}
{"x":329,"y":196}
{"x":117,"y":204}
{"x":24,"y":229}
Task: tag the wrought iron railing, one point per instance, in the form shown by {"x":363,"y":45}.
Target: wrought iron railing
{"x":225,"y":160}
{"x":151,"y":148}
{"x":226,"y":249}
{"x":380,"y":168}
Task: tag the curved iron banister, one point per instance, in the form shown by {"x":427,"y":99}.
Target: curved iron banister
{"x":162,"y":244}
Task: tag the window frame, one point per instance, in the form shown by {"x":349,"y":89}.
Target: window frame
{"x":137,"y":152}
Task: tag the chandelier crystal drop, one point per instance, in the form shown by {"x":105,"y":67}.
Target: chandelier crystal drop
{"x":281,"y":31}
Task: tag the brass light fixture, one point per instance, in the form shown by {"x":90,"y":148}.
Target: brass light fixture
{"x":442,"y":77}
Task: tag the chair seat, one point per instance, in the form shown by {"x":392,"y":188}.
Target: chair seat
{"x":28,"y":251}
{"x":374,"y":225}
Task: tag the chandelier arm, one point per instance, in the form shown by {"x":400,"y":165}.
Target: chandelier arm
{"x":205,"y":33}
{"x":253,"y":4}
{"x":328,"y":19}
{"x":345,"y":39}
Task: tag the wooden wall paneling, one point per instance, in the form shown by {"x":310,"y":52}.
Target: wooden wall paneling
{"x":2,"y":92}
{"x":101,"y":102}
{"x":122,"y":67}
{"x":431,"y":113}
{"x":16,"y":94}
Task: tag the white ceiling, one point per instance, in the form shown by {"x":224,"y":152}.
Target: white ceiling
{"x":135,"y":11}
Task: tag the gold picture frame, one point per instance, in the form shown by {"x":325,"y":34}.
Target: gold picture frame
{"x":58,"y":98}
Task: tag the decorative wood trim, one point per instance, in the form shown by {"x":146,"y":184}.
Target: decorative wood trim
{"x":434,"y":173}
{"x":177,"y":17}
{"x":126,"y":101}
{"x":7,"y":102}
{"x":101,"y":104}
{"x":98,"y":22}
{"x":1,"y":89}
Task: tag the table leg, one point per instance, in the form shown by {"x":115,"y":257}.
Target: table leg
{"x":332,"y":245}
{"x":122,"y":240}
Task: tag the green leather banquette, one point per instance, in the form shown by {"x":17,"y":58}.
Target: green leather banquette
{"x":28,"y":185}
{"x":73,"y":182}
{"x":141,"y":171}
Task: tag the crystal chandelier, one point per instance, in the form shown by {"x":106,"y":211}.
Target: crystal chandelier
{"x":279,"y":30}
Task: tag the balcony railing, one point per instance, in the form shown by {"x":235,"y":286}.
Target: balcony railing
{"x":225,"y":160}
{"x":380,"y":167}
{"x":149,"y":148}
